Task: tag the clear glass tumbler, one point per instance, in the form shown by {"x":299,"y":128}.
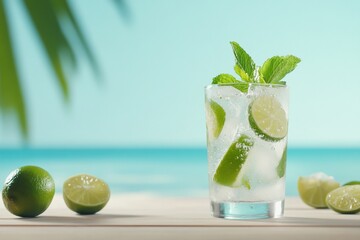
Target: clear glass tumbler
{"x":247,"y":144}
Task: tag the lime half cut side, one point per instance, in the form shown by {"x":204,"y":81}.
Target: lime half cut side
{"x":314,"y":189}
{"x":85,"y":194}
{"x":345,"y":199}
{"x":268,"y":119}
{"x":233,"y":160}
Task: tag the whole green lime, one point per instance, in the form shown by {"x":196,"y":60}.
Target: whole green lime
{"x":28,"y":191}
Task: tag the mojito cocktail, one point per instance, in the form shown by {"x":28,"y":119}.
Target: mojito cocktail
{"x":247,"y":139}
{"x":247,"y":128}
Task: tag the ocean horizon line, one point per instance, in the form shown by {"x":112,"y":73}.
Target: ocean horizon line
{"x":97,"y":151}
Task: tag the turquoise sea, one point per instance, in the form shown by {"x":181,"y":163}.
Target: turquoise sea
{"x":168,"y":172}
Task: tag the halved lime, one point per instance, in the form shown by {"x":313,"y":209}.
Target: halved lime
{"x":217,"y":116}
{"x":267,"y":118}
{"x":233,"y":160}
{"x":85,"y":194}
{"x":345,"y":199}
{"x":314,"y":189}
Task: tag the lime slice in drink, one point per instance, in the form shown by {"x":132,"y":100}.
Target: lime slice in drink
{"x":267,"y":118}
{"x":233,"y":160}
{"x":345,"y":199}
{"x":85,"y":194}
{"x":280,"y":169}
{"x":217,"y":116}
{"x":314,"y":189}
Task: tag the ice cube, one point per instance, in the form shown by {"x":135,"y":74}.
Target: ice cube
{"x":260,"y":166}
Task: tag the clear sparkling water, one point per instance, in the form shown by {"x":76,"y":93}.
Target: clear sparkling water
{"x":260,"y":167}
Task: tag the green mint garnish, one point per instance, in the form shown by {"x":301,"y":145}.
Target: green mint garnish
{"x":272,"y":71}
{"x":246,"y":182}
{"x":229,"y":79}
{"x":224,"y":78}
{"x":245,"y":66}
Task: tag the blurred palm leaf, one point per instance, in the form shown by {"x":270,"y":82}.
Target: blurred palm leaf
{"x":51,"y":19}
{"x":11,"y":98}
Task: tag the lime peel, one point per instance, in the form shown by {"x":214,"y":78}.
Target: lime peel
{"x":233,"y":160}
{"x":220,"y":116}
{"x":28,"y":191}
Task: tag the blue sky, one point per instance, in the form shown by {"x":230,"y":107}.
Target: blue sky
{"x":156,"y":64}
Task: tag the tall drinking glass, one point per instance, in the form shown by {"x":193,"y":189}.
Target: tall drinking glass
{"x":246,"y":143}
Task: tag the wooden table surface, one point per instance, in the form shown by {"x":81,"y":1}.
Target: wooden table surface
{"x":145,"y":216}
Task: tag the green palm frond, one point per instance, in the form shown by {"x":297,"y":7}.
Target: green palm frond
{"x":11,"y":97}
{"x":57,"y":46}
{"x":51,"y":19}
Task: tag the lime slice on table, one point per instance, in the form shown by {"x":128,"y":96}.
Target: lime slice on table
{"x":345,"y":199}
{"x":217,"y":114}
{"x":233,"y":160}
{"x":85,"y":194}
{"x":314,"y":189}
{"x":267,"y":118}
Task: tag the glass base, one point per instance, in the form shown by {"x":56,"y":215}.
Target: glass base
{"x":247,"y":210}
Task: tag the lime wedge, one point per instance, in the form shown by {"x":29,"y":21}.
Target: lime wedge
{"x":314,"y":189}
{"x":85,"y":194}
{"x":280,"y":169}
{"x":233,"y":160}
{"x":268,"y":119}
{"x":345,"y":199}
{"x":217,"y":115}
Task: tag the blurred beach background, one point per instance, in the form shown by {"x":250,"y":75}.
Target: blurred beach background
{"x":132,"y":111}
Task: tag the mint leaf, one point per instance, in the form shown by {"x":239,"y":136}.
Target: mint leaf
{"x":224,"y":78}
{"x":229,"y":79}
{"x":242,"y":73}
{"x":246,"y":182}
{"x":274,"y":69}
{"x":243,"y":61}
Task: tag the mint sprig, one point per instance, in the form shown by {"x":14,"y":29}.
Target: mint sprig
{"x":276,"y":68}
{"x":245,"y":66}
{"x":272,"y":71}
{"x":229,"y":79}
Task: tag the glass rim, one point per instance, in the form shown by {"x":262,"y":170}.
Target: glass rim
{"x":250,"y":84}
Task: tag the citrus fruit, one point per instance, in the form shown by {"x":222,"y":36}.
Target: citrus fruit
{"x":85,"y":194}
{"x":314,"y":189}
{"x":217,"y":115}
{"x":345,"y":199}
{"x":280,"y":169}
{"x":352,"y":183}
{"x":231,"y":164}
{"x":267,"y":118}
{"x":28,"y":191}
